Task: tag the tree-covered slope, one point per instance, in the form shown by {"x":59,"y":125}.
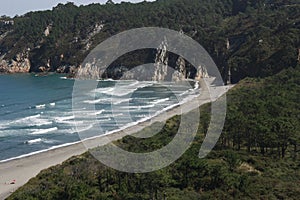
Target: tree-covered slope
{"x":263,"y":35}
{"x":257,"y":156}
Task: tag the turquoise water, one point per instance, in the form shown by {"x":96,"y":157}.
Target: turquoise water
{"x":36,"y":111}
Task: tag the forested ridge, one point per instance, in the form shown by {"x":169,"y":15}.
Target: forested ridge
{"x":263,"y":35}
{"x":257,"y":156}
{"x":258,"y":41}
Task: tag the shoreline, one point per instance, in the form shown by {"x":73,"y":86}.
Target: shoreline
{"x":98,"y":136}
{"x":25,"y":167}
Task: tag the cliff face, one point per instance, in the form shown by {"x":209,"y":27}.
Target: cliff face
{"x":20,"y":65}
{"x":229,"y":31}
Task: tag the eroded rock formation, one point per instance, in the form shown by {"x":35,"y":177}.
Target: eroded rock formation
{"x":21,"y":64}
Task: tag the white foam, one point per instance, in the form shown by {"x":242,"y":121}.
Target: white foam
{"x":49,"y":141}
{"x":42,"y":106}
{"x":38,"y":140}
{"x":64,"y":77}
{"x":141,"y":116}
{"x":44,"y":131}
{"x":196,"y":85}
{"x":184,"y":93}
{"x":103,"y":90}
{"x":104,"y":120}
{"x":52,"y":104}
{"x":134,"y":83}
{"x":105,"y":80}
{"x":122,"y":90}
{"x":161,"y":100}
{"x":28,"y":118}
{"x":87,"y":113}
{"x":85,"y":128}
{"x":112,"y":100}
{"x":98,"y":112}
{"x":3,"y":126}
{"x":34,"y":120}
{"x":148,"y":106}
{"x":62,"y":119}
{"x":138,"y":107}
{"x":119,"y":101}
{"x":116,"y":114}
{"x":93,"y":101}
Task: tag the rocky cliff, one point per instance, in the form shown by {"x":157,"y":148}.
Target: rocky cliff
{"x":21,"y":64}
{"x":58,"y":40}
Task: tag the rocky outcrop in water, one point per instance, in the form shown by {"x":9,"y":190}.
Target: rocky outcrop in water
{"x":180,"y":73}
{"x":161,"y":62}
{"x":201,"y":73}
{"x":89,"y":71}
{"x":159,"y":70}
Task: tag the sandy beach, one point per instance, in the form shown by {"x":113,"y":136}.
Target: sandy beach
{"x":23,"y":169}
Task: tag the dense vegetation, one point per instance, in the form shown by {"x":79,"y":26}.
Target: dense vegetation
{"x":263,"y":34}
{"x":255,"y":158}
{"x":257,"y":155}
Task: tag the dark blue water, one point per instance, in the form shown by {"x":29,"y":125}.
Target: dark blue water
{"x":36,"y":112}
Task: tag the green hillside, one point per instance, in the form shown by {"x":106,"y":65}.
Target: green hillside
{"x":263,"y":34}
{"x":258,"y":41}
{"x":257,"y":156}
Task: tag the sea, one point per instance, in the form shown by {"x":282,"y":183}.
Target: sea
{"x":36,"y":112}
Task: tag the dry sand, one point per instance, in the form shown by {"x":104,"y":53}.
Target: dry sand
{"x":26,"y":168}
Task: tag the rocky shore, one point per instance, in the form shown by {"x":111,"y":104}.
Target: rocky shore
{"x":19,"y":65}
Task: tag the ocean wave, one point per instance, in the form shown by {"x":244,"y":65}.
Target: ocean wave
{"x":62,"y":119}
{"x":84,"y":128}
{"x":145,"y":98}
{"x":184,"y":93}
{"x":34,"y":120}
{"x":122,"y":90}
{"x":94,"y":101}
{"x":87,"y":114}
{"x":116,"y":115}
{"x":40,"y":140}
{"x":71,"y":120}
{"x":103,"y":90}
{"x":104,"y":120}
{"x":44,"y":131}
{"x":196,"y":85}
{"x":38,"y":152}
{"x":29,"y":118}
{"x":46,"y":141}
{"x":41,"y":106}
{"x":158,"y":101}
{"x":106,"y":80}
{"x":112,"y":100}
{"x":119,"y":101}
{"x":84,"y":125}
{"x":119,"y":129}
{"x":34,"y":141}
{"x":3,"y":126}
{"x":97,"y":112}
{"x":137,"y":107}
